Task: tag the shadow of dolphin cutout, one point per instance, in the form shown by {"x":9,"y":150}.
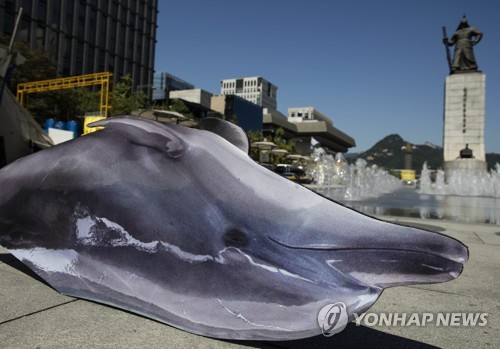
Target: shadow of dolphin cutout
{"x":180,"y":225}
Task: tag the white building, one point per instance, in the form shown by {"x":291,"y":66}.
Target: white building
{"x":305,"y":114}
{"x":197,"y":96}
{"x":254,"y":89}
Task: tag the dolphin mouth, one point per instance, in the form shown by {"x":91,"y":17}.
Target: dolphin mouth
{"x":458,"y":255}
{"x":391,"y":267}
{"x":388,"y":267}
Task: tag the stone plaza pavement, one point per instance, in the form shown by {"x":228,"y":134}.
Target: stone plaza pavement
{"x":33,"y":315}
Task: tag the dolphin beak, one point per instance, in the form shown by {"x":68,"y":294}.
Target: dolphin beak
{"x":382,"y":254}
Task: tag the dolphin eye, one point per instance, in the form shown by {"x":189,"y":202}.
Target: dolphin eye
{"x":236,"y":238}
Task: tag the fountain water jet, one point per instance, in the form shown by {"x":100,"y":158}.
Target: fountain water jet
{"x":374,"y":192}
{"x":461,"y":183}
{"x":338,"y":180}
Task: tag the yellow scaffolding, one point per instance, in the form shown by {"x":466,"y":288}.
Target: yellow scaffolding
{"x":103,"y":79}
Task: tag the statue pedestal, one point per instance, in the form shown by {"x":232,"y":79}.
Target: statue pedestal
{"x":464,"y":110}
{"x":469,"y":166}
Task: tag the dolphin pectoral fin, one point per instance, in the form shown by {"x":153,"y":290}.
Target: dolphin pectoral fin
{"x":146,"y":133}
{"x":227,"y":130}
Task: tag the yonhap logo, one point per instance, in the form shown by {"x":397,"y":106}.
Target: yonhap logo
{"x":332,"y":318}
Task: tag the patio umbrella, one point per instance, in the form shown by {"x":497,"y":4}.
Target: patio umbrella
{"x":263,"y":145}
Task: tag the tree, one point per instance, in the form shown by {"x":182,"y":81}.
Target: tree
{"x":36,"y":67}
{"x":254,"y":136}
{"x":177,"y":105}
{"x":234,"y":119}
{"x":69,"y":103}
{"x":87,"y":100}
{"x":257,"y":136}
{"x":123,"y":100}
{"x":281,"y":142}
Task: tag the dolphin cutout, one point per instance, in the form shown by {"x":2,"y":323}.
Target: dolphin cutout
{"x":181,"y":226}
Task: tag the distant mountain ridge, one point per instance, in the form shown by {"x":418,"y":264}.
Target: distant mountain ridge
{"x":388,"y":153}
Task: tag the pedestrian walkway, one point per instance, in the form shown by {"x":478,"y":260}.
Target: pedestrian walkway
{"x":33,"y":315}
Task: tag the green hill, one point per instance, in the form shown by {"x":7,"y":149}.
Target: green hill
{"x":388,"y":153}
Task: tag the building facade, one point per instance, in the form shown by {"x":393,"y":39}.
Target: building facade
{"x":306,"y":114}
{"x":245,"y":114}
{"x":307,"y":126}
{"x":164,"y":83}
{"x":254,"y":89}
{"x":197,"y":96}
{"x":84,"y":37}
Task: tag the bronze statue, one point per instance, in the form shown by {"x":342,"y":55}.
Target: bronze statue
{"x":464,"y":38}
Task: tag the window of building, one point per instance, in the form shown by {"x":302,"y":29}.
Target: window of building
{"x":112,"y":35}
{"x":132,"y":21}
{"x":67,"y":55}
{"x":52,"y":44}
{"x":239,"y":86}
{"x":103,"y":5}
{"x":25,"y":30}
{"x":121,"y":42}
{"x":140,"y":25}
{"x":120,"y":64}
{"x":8,"y":20}
{"x":123,"y":14}
{"x":132,"y":5}
{"x":55,"y":13}
{"x":25,"y":4}
{"x":81,"y":21}
{"x":68,"y":20}
{"x":114,"y":9}
{"x":149,"y":14}
{"x":128,"y":67}
{"x":90,"y":60}
{"x":102,"y":60}
{"x":103,"y":30}
{"x":141,"y":9}
{"x":146,"y":50}
{"x":39,"y":36}
{"x":137,"y":77}
{"x":42,"y":10}
{"x":131,"y":48}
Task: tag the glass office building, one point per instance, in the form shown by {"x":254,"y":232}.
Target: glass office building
{"x":164,"y":83}
{"x":84,"y":37}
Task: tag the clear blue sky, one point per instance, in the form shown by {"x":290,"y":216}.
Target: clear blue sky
{"x":374,"y":67}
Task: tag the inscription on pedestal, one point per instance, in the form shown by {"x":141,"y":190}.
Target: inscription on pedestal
{"x":464,"y":110}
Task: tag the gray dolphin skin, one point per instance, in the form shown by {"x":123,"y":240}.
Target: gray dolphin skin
{"x":181,"y":226}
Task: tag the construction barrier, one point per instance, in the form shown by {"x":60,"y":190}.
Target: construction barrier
{"x":91,"y":119}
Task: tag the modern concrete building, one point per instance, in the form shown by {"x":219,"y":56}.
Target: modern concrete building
{"x":254,"y":89}
{"x":320,"y":127}
{"x":305,"y":114}
{"x":84,"y":37}
{"x":197,"y":96}
{"x":246,"y":114}
{"x":164,"y":83}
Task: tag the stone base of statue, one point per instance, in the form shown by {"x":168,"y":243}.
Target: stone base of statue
{"x":472,"y":166}
{"x":464,"y":110}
